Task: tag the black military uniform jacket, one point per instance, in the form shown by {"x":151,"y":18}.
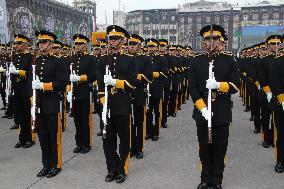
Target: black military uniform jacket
{"x":226,"y":72}
{"x":4,"y":58}
{"x":53,"y":74}
{"x":144,"y":71}
{"x":173,"y":66}
{"x":84,"y":65}
{"x":276,"y":83}
{"x":20,"y":82}
{"x":160,"y":74}
{"x":123,"y":69}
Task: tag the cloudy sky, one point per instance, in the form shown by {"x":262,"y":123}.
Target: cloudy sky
{"x":107,"y":6}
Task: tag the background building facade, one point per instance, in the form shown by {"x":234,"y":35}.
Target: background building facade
{"x":26,"y":16}
{"x":244,"y":25}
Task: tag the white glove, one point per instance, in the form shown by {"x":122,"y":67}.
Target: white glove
{"x":258,"y":87}
{"x":69,"y":96}
{"x":13,"y":70}
{"x":269,"y":96}
{"x":2,"y":70}
{"x":104,"y":116}
{"x":108,"y":80}
{"x":37,"y":84}
{"x":74,"y":78}
{"x":205,"y":113}
{"x":212,"y":84}
{"x":283,"y":105}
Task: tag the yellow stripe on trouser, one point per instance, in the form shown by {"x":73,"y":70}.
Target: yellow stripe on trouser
{"x":160,"y":114}
{"x":91,"y":124}
{"x":126,"y":164}
{"x":144,"y":128}
{"x":59,"y":142}
{"x":262,"y":134}
{"x":275,"y":136}
{"x":64,"y":110}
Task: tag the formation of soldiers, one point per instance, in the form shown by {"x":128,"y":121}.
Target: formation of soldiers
{"x":135,"y":85}
{"x":262,"y":92}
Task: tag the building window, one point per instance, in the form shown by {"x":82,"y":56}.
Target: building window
{"x":255,"y":17}
{"x":207,"y":19}
{"x":173,"y":18}
{"x":276,"y":16}
{"x":198,"y":19}
{"x":147,"y":19}
{"x":226,"y":18}
{"x":189,"y":20}
{"x":236,"y":18}
{"x":217,"y":20}
{"x":164,"y":18}
{"x":245,"y":17}
{"x":181,"y":20}
{"x":265,"y":17}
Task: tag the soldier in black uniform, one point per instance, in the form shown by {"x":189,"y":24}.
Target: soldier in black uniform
{"x":276,"y":84}
{"x":163,"y":50}
{"x":20,"y":71}
{"x":140,"y":94}
{"x":160,"y":72}
{"x":265,"y":94}
{"x":226,"y":83}
{"x":3,"y":60}
{"x":57,"y":51}
{"x":120,"y":84}
{"x":52,"y":78}
{"x":174,"y":82}
{"x":84,"y":67}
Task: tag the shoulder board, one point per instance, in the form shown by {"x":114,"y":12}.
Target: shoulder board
{"x":279,"y":56}
{"x":199,"y":54}
{"x":226,"y":53}
{"x":128,"y":54}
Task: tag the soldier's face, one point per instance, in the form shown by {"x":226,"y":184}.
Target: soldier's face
{"x":211,"y":44}
{"x":104,"y":50}
{"x":96,"y":51}
{"x":20,"y":46}
{"x":163,"y":48}
{"x":133,"y":48}
{"x":115,"y":41}
{"x":79,"y":47}
{"x":152,"y":49}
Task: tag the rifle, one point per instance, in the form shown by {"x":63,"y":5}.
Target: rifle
{"x":211,"y":76}
{"x":105,"y":114}
{"x":33,"y":108}
{"x":8,"y":76}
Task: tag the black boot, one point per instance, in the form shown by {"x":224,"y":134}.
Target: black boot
{"x":120,"y":178}
{"x":100,"y":133}
{"x":110,"y":177}
{"x":16,"y":126}
{"x":279,"y":167}
{"x":77,"y":149}
{"x":265,"y":144}
{"x":28,"y":144}
{"x":52,"y":172}
{"x":85,"y":150}
{"x":256,"y":131}
{"x":202,"y":185}
{"x":139,"y":155}
{"x":43,"y":172}
{"x":147,"y":137}
{"x":19,"y":145}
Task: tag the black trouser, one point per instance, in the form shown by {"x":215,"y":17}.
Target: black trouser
{"x":10,"y":108}
{"x":265,"y":120}
{"x":117,"y":125}
{"x":23,"y":117}
{"x":247,"y":97}
{"x":138,"y":130}
{"x":179,"y":95}
{"x":156,"y":106}
{"x":3,"y":95}
{"x":63,"y":110}
{"x":50,"y":138}
{"x":212,"y":155}
{"x":255,"y":110}
{"x":184,"y":84}
{"x":100,"y":110}
{"x":173,"y":100}
{"x":165,"y":105}
{"x":279,"y":124}
{"x":83,"y":123}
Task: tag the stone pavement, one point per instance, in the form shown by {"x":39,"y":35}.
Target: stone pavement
{"x":170,"y":163}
